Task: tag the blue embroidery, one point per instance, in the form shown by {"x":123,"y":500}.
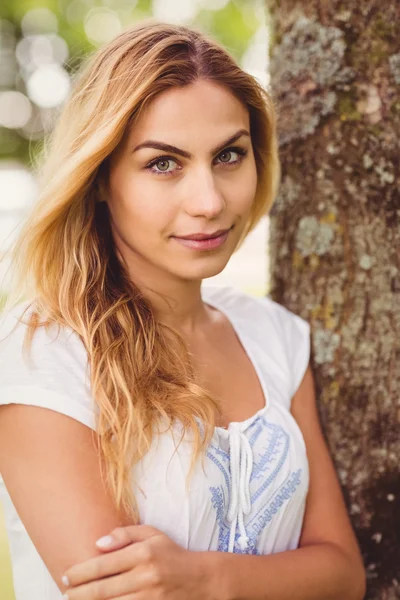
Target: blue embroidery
{"x":268,"y":460}
{"x":259,"y":521}
{"x":222,"y":453}
{"x":218,"y":502}
{"x":278,"y":467}
{"x":221,"y":468}
{"x":273,"y":447}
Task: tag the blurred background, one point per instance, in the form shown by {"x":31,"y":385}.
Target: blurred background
{"x":42,"y":43}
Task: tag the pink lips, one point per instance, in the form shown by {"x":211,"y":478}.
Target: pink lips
{"x":206,"y":244}
{"x":203,"y":236}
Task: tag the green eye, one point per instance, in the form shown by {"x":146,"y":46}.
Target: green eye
{"x":162,"y":159}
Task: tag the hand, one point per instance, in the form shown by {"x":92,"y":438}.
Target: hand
{"x":142,"y":564}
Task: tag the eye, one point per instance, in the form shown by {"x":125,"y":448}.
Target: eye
{"x":164,"y":160}
{"x":159,"y":161}
{"x":236,"y":150}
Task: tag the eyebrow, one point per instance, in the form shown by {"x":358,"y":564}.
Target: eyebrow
{"x":184,"y":153}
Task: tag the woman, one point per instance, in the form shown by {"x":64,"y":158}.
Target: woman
{"x":180,"y":418}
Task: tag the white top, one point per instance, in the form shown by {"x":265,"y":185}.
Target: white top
{"x":251,"y":496}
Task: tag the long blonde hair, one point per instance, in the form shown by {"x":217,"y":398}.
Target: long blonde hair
{"x":65,"y":261}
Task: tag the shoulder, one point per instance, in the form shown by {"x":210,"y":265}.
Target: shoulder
{"x":52,"y":372}
{"x":51,"y":343}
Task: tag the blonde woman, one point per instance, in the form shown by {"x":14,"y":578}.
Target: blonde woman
{"x":174,"y":419}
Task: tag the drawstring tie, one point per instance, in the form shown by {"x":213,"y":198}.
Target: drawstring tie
{"x":241,"y":457}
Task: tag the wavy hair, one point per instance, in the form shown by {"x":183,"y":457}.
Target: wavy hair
{"x":65,"y":261}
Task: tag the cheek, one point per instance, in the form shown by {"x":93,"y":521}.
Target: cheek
{"x":148,"y":220}
{"x":151,"y":211}
{"x":139,"y":206}
{"x":245,"y":191}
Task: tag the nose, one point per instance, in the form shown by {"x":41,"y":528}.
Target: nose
{"x":203,"y":198}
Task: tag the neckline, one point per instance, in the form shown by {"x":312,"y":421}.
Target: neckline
{"x":242,"y":335}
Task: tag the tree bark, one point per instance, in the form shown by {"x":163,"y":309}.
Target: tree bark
{"x":335,"y":243}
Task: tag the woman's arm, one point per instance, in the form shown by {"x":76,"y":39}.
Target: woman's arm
{"x":163,"y":570}
{"x":49,"y":464}
{"x":328,"y":564}
{"x":318,"y":572}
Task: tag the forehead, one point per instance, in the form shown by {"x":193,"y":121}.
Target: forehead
{"x":202,"y":109}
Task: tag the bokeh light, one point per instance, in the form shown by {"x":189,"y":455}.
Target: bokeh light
{"x":48,"y":86}
{"x":15,"y":109}
{"x":39,"y":20}
{"x":36,"y":50}
{"x":102,"y":25}
{"x":176,"y":11}
{"x":17,"y":185}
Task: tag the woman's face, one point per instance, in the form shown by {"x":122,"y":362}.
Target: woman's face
{"x":203,"y":185}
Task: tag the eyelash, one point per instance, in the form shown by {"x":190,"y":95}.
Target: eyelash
{"x":241,"y":151}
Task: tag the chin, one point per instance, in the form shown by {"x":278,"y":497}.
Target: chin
{"x":196,"y":272}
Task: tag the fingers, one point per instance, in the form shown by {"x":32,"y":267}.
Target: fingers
{"x":136,"y":596}
{"x":130,"y":584}
{"x":104,"y":566}
{"x":122,"y":536}
{"x":126,"y":554}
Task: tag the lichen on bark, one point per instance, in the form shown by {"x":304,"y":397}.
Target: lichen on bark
{"x":335,"y":244}
{"x":307,"y":70}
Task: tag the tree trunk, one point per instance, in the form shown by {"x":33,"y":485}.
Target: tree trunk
{"x":335,"y":243}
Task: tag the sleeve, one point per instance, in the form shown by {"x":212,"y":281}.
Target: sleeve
{"x":52,"y":375}
{"x":298,"y":346}
{"x":291,"y":335}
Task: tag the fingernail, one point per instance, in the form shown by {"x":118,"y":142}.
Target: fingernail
{"x":105,"y":541}
{"x":65,"y":580}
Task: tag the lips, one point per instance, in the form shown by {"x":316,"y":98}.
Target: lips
{"x":203,"y":236}
{"x":204,"y":244}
